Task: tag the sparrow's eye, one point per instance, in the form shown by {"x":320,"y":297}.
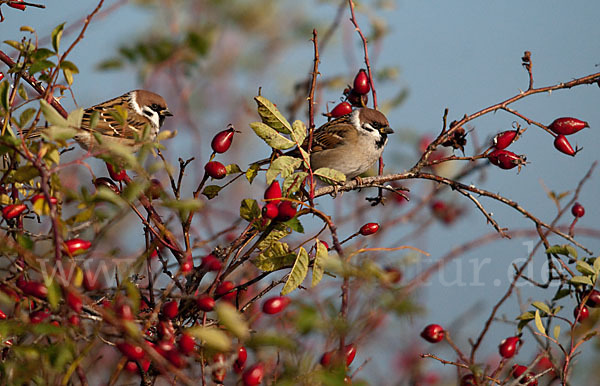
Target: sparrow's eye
{"x":155,"y":107}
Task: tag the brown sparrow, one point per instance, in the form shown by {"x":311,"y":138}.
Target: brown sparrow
{"x":141,"y":107}
{"x":350,"y":144}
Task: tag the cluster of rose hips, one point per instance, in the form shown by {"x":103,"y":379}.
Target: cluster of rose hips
{"x":355,"y":96}
{"x":275,"y":208}
{"x":562,"y":127}
{"x":434,"y":333}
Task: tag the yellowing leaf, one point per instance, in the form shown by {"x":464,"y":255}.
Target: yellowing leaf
{"x":293,"y":182}
{"x":277,"y":255}
{"x":252,"y":172}
{"x":271,"y":116}
{"x":331,"y":176}
{"x":319,"y":263}
{"x":284,"y":165}
{"x":211,"y":337}
{"x":538,"y":323}
{"x":272,"y":137}
{"x":298,"y":132}
{"x":298,"y":273}
{"x":52,"y":116}
{"x":556,"y":331}
{"x":232,"y":320}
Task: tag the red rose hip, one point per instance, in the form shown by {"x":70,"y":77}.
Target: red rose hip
{"x":131,"y":351}
{"x":114,"y":174}
{"x":215,"y":169}
{"x":593,"y":298}
{"x":270,"y":211}
{"x":578,"y":210}
{"x":340,"y":110}
{"x":273,"y":192}
{"x":504,"y":139}
{"x":369,"y":229}
{"x":581,"y":313}
{"x":505,"y":159}
{"x":11,"y":211}
{"x":222,"y":141}
{"x":254,"y":375}
{"x":205,"y":303}
{"x":433,"y":333}
{"x":567,"y":125}
{"x":361,"y":84}
{"x":562,"y":144}
{"x":17,"y":6}
{"x":287,"y":210}
{"x":508,"y":347}
{"x":275,"y":305}
{"x":77,"y":246}
{"x":170,"y":309}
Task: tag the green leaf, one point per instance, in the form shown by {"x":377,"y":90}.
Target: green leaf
{"x":184,"y":206}
{"x":273,"y":236}
{"x":271,"y":137}
{"x":22,"y":92}
{"x":581,"y":280}
{"x":271,"y":116}
{"x":41,"y":54}
{"x":54,"y":293}
{"x":298,"y":273}
{"x":522,"y":324}
{"x":597,"y":265}
{"x":56,"y":35}
{"x":319,"y":263}
{"x":293,"y":182}
{"x":233,"y":168}
{"x":25,"y":173}
{"x":58,"y":133}
{"x":556,"y":331}
{"x":211,"y":337}
{"x":274,"y":257}
{"x":75,"y":117}
{"x":295,"y":225}
{"x":331,"y":176}
{"x":584,"y":268}
{"x":25,"y":241}
{"x":14,"y":44}
{"x":538,"y":323}
{"x":4,"y":88}
{"x":68,"y":76}
{"x":298,"y":132}
{"x":561,"y":294}
{"x":26,"y":116}
{"x":40,"y":65}
{"x":133,"y":190}
{"x":249,"y":209}
{"x":272,"y":339}
{"x":232,"y":320}
{"x":284,"y":165}
{"x":68,"y":65}
{"x":542,"y":307}
{"x":564,"y":250}
{"x":526,"y":316}
{"x":572,"y":251}
{"x":252,"y":172}
{"x":51,"y":115}
{"x":211,"y":191}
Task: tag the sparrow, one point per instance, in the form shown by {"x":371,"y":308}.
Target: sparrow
{"x":142,"y":109}
{"x":350,"y":144}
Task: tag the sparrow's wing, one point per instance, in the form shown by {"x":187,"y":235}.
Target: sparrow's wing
{"x":108,"y":122}
{"x":331,"y":135}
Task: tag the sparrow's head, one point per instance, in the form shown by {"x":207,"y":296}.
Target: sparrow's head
{"x":151,"y":105}
{"x":371,"y":122}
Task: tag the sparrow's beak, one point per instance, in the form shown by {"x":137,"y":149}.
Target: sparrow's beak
{"x":386,"y":130}
{"x":167,"y":113}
